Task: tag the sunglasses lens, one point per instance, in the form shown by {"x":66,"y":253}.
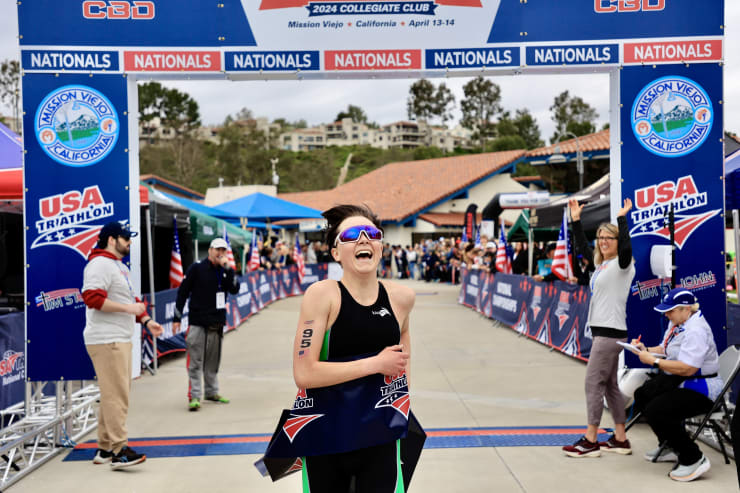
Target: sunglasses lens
{"x":353,"y":233}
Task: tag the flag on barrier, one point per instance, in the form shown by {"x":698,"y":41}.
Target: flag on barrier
{"x":298,"y":258}
{"x":254,"y":257}
{"x":561,"y":262}
{"x":229,"y":251}
{"x":176,"y":273}
{"x":503,"y":262}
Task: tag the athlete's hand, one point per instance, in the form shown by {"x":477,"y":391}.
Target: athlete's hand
{"x":136,"y":308}
{"x":392,"y":360}
{"x":175,"y":327}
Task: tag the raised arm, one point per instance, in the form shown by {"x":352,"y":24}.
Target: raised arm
{"x":308,"y":371}
{"x":624,"y":241}
{"x":579,"y":236}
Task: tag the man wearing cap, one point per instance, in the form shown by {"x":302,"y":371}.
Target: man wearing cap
{"x":686,"y":386}
{"x":111,"y":310}
{"x":206,"y":284}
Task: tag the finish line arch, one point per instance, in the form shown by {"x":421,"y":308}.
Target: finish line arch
{"x":81,"y":62}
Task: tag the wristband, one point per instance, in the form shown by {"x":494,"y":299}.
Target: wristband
{"x":146,"y":324}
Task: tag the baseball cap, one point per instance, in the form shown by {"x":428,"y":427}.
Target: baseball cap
{"x":218,"y":243}
{"x":676,"y":297}
{"x":115,"y":229}
{"x":490,"y":244}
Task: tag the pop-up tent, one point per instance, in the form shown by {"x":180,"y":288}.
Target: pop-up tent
{"x":265,"y":208}
{"x":11,"y":171}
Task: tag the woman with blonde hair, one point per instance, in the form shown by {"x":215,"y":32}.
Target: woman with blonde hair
{"x":607,"y":318}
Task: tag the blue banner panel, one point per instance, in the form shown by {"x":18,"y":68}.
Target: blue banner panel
{"x":58,"y":60}
{"x":580,"y":20}
{"x":573,"y":55}
{"x":472,"y":57}
{"x":12,"y":360}
{"x":568,"y":316}
{"x":274,"y":61}
{"x":672,"y":154}
{"x":509,"y":300}
{"x":76,"y":175}
{"x":134,"y":23}
{"x":313,"y":273}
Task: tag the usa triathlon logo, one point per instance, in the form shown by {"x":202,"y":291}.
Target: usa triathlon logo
{"x":672,"y":116}
{"x":395,"y":394}
{"x":12,"y":367}
{"x":76,"y":126}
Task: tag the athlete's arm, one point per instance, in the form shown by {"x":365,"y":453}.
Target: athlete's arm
{"x":308,"y":371}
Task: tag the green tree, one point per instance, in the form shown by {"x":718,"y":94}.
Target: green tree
{"x":356,"y":113}
{"x":480,"y":108}
{"x":426,"y":102}
{"x":179,"y":117}
{"x":523,"y":125}
{"x":10,"y":82}
{"x":572,"y":114}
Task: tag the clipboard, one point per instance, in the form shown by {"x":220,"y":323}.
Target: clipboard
{"x":636,"y":350}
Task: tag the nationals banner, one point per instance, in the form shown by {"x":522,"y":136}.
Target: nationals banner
{"x":671,"y":125}
{"x":76,"y":175}
{"x":310,"y":38}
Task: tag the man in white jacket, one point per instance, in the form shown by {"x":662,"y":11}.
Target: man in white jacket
{"x":112,"y":309}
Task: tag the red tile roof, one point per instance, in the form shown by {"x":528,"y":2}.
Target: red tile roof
{"x":598,"y":141}
{"x":175,"y":188}
{"x":399,"y":190}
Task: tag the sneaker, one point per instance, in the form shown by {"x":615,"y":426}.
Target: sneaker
{"x":194,"y":404}
{"x":614,"y":445}
{"x":126,"y":457}
{"x":218,"y":398}
{"x":583,"y":448}
{"x":102,"y":456}
{"x":667,"y":455}
{"x":690,"y":472}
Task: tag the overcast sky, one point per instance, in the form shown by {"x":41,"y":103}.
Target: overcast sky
{"x":384,"y":101}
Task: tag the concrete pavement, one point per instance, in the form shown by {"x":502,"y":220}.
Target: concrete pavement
{"x":466,"y":371}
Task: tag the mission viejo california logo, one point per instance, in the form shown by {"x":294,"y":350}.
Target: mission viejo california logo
{"x":76,"y":126}
{"x":672,"y":116}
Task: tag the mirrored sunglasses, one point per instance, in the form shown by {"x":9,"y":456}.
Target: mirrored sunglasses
{"x":352,"y":234}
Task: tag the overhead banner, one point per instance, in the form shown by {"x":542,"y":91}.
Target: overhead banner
{"x":77,"y":179}
{"x":671,"y":124}
{"x":314,"y":38}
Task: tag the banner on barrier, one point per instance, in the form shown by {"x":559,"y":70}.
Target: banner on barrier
{"x":12,"y":360}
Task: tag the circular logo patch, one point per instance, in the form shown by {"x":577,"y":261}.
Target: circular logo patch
{"x":672,"y":116}
{"x":76,"y":126}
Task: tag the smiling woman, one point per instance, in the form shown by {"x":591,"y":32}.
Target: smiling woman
{"x":348,"y":331}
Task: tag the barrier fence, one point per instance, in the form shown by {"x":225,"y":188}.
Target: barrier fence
{"x":552,"y":313}
{"x":256,"y":290}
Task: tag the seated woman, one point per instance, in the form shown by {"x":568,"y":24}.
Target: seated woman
{"x":686,"y":387}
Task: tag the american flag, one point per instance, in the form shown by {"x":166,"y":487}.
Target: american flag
{"x":298,"y":259}
{"x":175,"y":261}
{"x":477,"y":236}
{"x":254,"y":258}
{"x":464,"y":236}
{"x":229,"y":252}
{"x":561,"y":262}
{"x":503,"y":262}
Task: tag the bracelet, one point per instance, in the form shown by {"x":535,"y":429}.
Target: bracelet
{"x":147,"y":322}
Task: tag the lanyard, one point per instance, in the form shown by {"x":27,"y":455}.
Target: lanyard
{"x":598,"y":271}
{"x":125,"y":276}
{"x":674,"y":333}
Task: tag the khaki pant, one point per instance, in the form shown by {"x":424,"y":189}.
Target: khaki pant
{"x":112,"y":364}
{"x":601,"y":381}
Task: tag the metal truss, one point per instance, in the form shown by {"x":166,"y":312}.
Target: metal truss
{"x":40,"y":428}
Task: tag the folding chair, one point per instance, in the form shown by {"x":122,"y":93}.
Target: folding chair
{"x":721,"y":411}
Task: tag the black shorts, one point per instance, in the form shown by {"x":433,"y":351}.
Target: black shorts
{"x":374,"y":469}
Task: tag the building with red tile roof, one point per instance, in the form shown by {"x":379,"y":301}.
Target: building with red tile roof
{"x":424,"y":198}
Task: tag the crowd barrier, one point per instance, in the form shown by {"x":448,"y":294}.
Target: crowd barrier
{"x":256,"y":290}
{"x":12,"y":365}
{"x":551,"y":313}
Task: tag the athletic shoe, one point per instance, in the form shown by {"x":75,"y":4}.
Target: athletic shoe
{"x":583,"y":448}
{"x":127,"y":457}
{"x":218,"y":398}
{"x":667,"y":455}
{"x":690,"y":472}
{"x":614,"y":445}
{"x":194,"y":404}
{"x":102,"y":456}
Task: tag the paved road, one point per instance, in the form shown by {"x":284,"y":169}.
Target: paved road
{"x":466,"y":372}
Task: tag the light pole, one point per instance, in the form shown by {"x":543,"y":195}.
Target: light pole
{"x":275,"y":176}
{"x":559,"y":157}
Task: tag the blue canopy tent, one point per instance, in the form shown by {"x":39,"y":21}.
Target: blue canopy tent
{"x":11,"y":171}
{"x":265,"y":208}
